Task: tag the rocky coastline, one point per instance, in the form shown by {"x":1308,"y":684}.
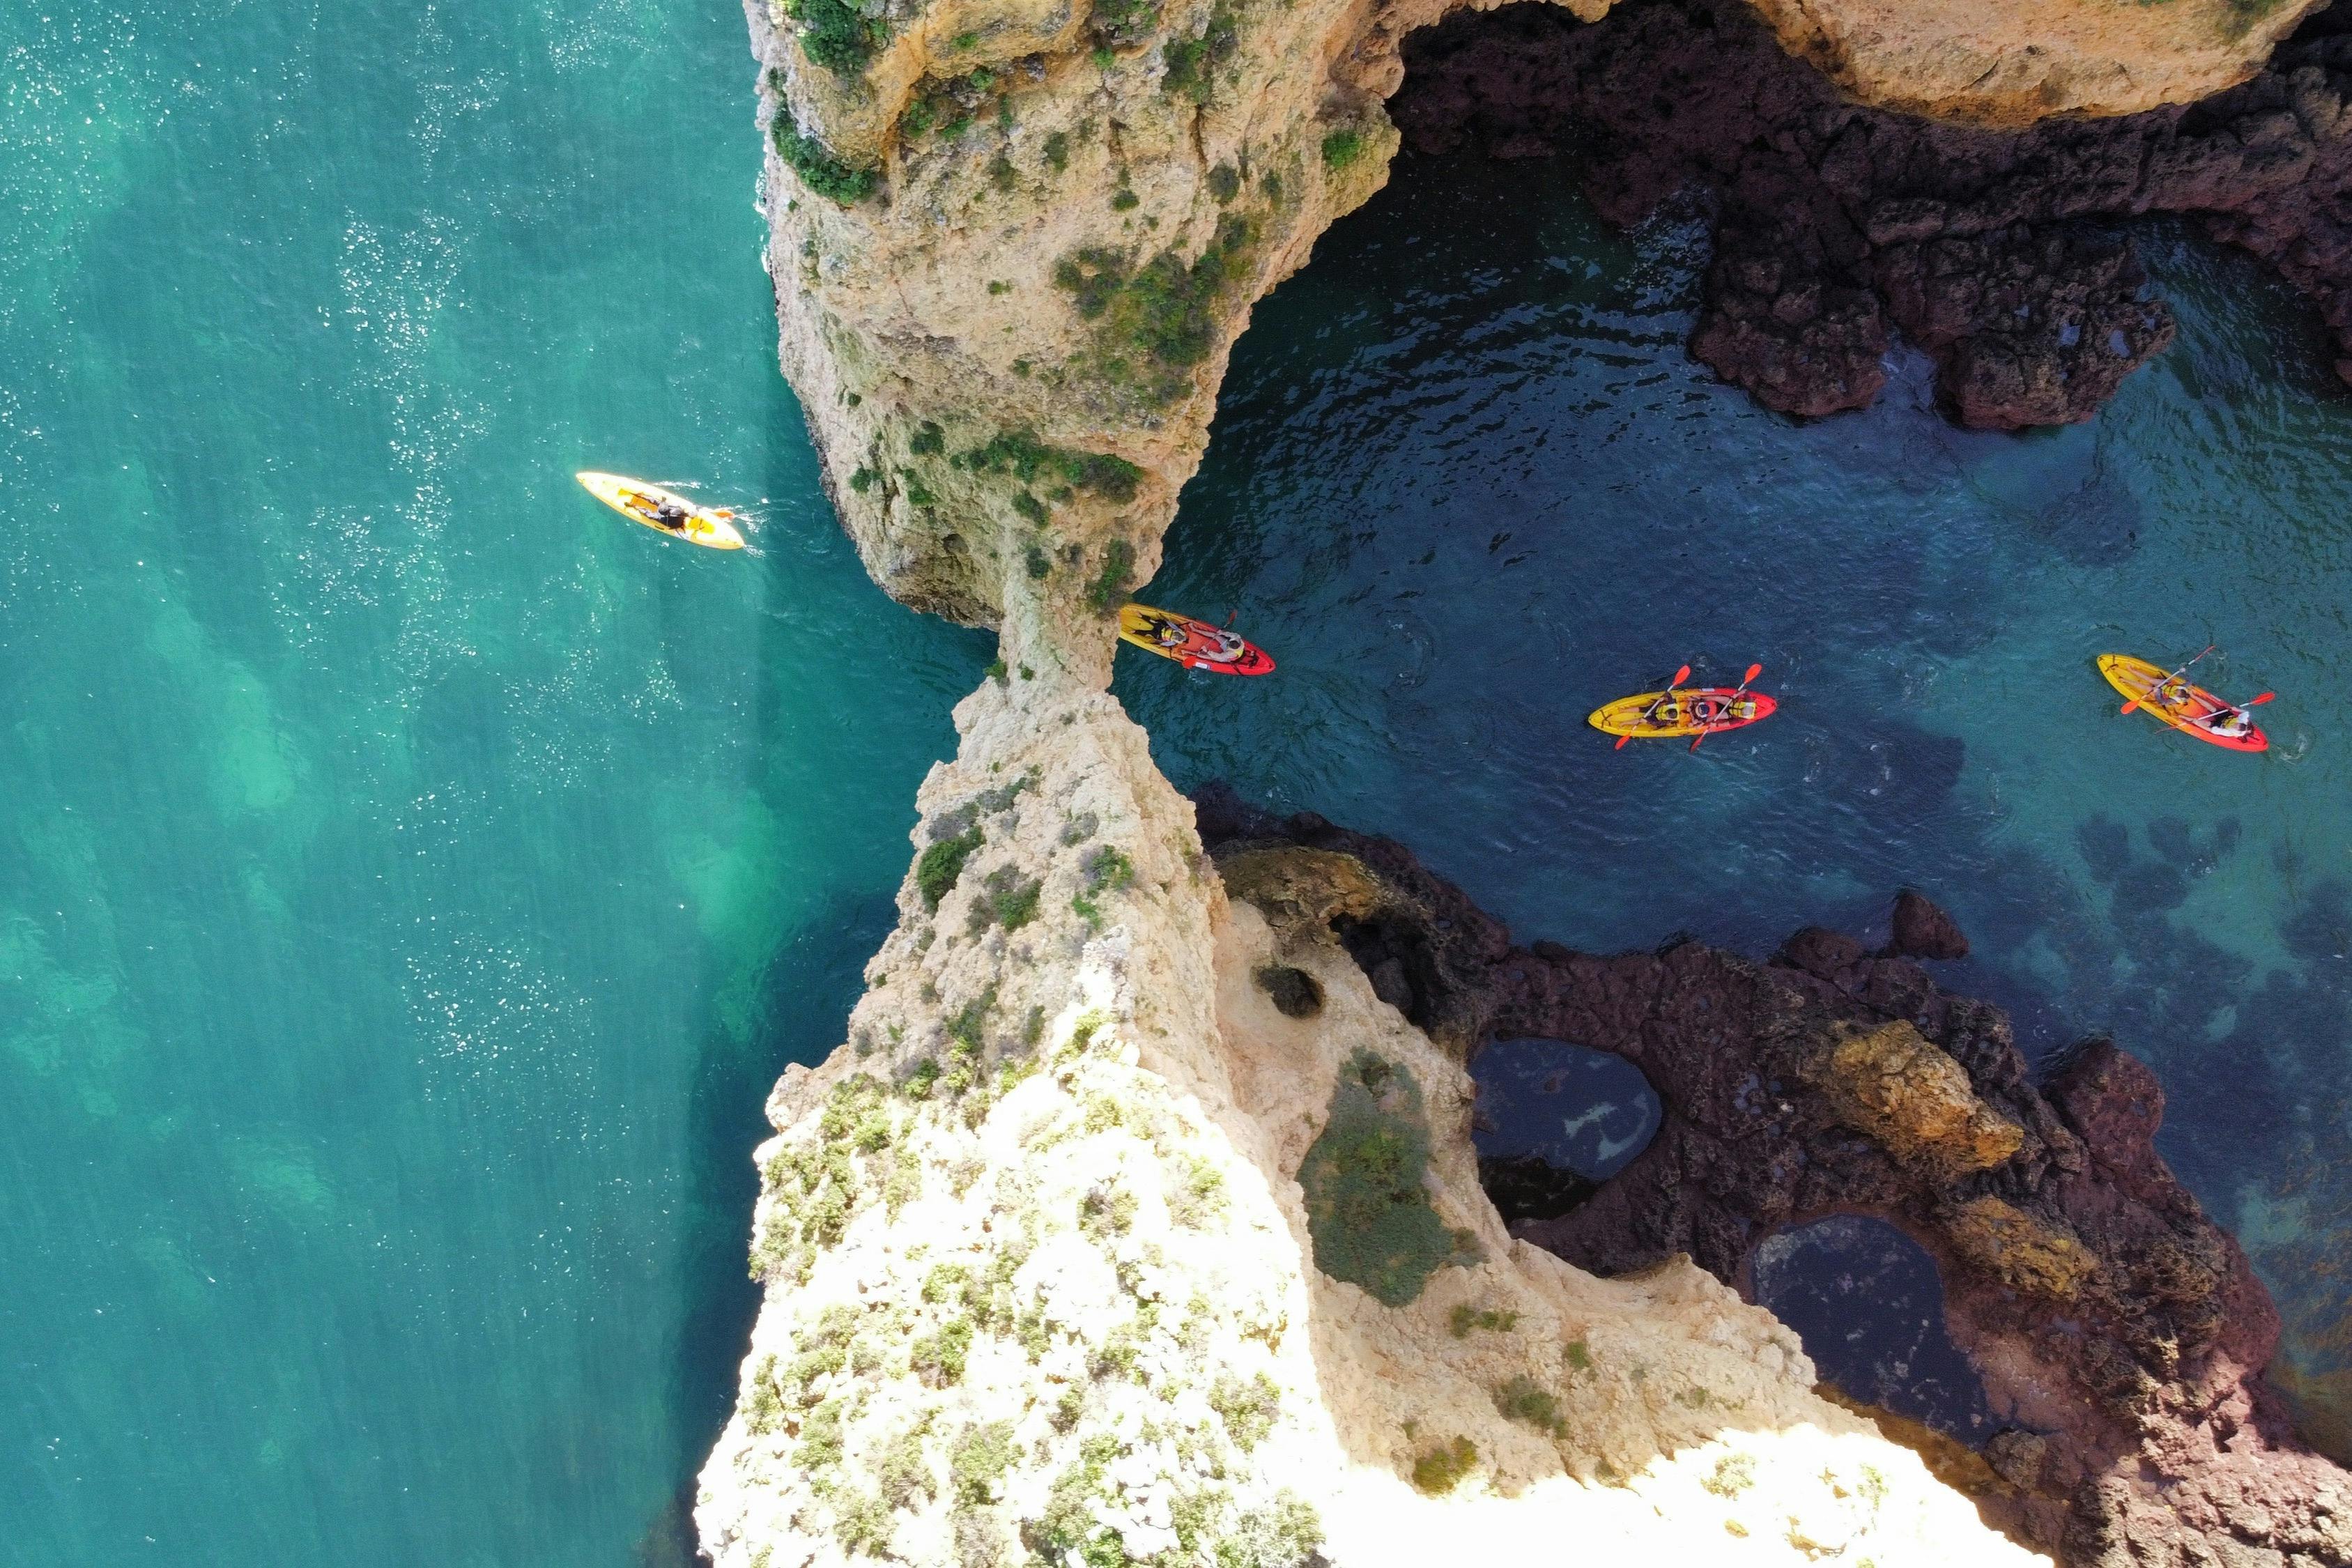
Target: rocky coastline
{"x":1138,"y":1217}
{"x":2121,"y":1334}
{"x":1838,"y":225}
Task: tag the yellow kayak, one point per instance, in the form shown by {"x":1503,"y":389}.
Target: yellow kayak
{"x":1684,"y":710}
{"x":661,"y":511}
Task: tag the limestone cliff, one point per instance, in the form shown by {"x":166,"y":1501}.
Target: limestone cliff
{"x":1129,"y":1226}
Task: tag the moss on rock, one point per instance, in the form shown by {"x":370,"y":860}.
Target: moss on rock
{"x":1367,"y":1212}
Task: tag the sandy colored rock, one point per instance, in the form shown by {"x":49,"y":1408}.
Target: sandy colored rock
{"x":1301,"y":891}
{"x":2029,"y":1254}
{"x":1999,"y":62}
{"x":1042,"y":1281}
{"x":1898,"y":1088}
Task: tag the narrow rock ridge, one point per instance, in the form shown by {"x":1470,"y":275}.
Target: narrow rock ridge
{"x":1131,"y":1224}
{"x":2120,"y":1333}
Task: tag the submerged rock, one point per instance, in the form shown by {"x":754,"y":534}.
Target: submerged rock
{"x":1838,"y":225}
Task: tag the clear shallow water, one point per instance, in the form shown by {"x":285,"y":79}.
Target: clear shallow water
{"x":412,"y":876}
{"x":1466,"y":484}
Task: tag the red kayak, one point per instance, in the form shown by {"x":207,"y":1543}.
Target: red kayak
{"x":1195,"y":645}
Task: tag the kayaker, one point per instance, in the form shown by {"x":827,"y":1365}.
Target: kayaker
{"x":671,"y":515}
{"x":2228,"y":721}
{"x":1167,"y":634}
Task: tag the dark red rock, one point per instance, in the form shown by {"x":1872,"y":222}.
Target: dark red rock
{"x":1823,"y":954}
{"x":1922,"y":929}
{"x":2137,"y":1427}
{"x":1838,"y":227}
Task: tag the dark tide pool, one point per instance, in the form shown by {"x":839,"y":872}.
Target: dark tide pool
{"x":1466,"y":486}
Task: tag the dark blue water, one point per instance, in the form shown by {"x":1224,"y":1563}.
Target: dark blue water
{"x":1867,"y":1302}
{"x":1466,"y":486}
{"x":1571,"y":1107}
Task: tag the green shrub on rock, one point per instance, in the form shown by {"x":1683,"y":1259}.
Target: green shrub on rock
{"x":1368,"y":1213}
{"x":1341,"y":148}
{"x":819,"y":170}
{"x":837,"y":35}
{"x":1445,"y":1467}
{"x":942,"y":863}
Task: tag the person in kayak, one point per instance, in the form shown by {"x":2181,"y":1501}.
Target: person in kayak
{"x":670,"y":515}
{"x":1229,"y":648}
{"x":2228,"y":721}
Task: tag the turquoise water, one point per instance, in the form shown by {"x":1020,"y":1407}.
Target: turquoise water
{"x":412,"y":875}
{"x":1465,"y":486}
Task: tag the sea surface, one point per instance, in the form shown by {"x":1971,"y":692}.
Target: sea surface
{"x":412,"y":876}
{"x":1465,"y":486}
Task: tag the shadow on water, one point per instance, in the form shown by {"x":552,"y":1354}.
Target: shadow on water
{"x":1869,"y":1305}
{"x":803,"y":998}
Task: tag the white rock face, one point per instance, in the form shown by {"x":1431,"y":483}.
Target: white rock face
{"x":1041,"y":1283}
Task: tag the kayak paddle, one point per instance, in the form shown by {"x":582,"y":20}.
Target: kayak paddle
{"x":1680,"y":676}
{"x":1753,"y":672}
{"x":2169,"y":679}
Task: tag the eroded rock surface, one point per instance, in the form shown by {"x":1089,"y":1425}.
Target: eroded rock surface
{"x":2121,"y":1334}
{"x":1838,"y":225}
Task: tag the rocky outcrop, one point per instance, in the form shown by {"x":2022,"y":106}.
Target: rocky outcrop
{"x":1012,"y":243}
{"x":1131,"y":1224}
{"x":2120,"y":1334}
{"x":1838,"y":225}
{"x":1995,"y":64}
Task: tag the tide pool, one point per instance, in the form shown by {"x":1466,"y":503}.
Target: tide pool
{"x":413,"y":875}
{"x":1466,"y":486}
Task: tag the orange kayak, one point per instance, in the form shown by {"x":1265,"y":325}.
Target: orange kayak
{"x":2192,"y":709}
{"x":1195,"y":645}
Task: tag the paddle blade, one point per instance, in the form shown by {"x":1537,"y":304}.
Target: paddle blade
{"x":1679,"y":678}
{"x":2258,"y":701}
{"x":2131,"y":705}
{"x":1696,"y":739}
{"x":1621,"y":742}
{"x":1753,"y":672}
